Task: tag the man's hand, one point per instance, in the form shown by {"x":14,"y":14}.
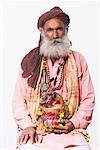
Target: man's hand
{"x":68,"y":127}
{"x":28,"y":133}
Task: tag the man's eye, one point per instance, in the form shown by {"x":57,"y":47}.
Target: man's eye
{"x":49,"y":29}
{"x":60,"y":28}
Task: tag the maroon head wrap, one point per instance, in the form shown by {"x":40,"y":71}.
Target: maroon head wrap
{"x":55,"y":12}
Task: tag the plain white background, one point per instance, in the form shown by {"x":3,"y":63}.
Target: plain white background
{"x":19,"y":34}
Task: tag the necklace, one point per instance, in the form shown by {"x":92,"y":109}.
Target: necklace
{"x":60,"y":71}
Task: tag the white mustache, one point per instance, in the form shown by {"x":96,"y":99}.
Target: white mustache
{"x":55,"y":41}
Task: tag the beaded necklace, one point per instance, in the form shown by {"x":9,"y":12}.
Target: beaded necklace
{"x":60,"y":71}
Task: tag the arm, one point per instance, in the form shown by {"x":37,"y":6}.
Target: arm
{"x":83,"y":116}
{"x":20,"y":111}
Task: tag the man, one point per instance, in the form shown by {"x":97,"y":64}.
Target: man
{"x":54,"y":99}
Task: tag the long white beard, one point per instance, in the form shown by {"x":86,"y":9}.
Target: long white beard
{"x":54,"y":48}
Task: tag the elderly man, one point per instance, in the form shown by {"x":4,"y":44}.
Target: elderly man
{"x":54,"y":99}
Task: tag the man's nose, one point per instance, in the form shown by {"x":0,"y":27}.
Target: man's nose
{"x":55,"y":34}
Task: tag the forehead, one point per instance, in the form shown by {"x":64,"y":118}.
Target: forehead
{"x":53,"y":23}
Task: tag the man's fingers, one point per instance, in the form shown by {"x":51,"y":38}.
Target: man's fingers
{"x":20,"y":139}
{"x":61,"y":127}
{"x":26,"y":137}
{"x":36,"y":138}
{"x":28,"y":133}
{"x":32,"y":137}
{"x":59,"y":131}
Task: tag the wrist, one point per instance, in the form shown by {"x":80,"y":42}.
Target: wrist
{"x":32,"y":127}
{"x":69,"y":126}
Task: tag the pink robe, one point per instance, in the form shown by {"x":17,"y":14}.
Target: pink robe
{"x":81,"y":119}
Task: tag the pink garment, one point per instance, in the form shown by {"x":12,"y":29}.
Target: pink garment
{"x":82,"y":117}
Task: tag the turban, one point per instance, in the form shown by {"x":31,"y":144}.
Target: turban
{"x":55,"y":12}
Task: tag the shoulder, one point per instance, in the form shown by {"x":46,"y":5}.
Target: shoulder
{"x":80,"y":61}
{"x":78,"y":56}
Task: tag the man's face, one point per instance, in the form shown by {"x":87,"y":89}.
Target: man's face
{"x":54,"y":28}
{"x":54,"y":39}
